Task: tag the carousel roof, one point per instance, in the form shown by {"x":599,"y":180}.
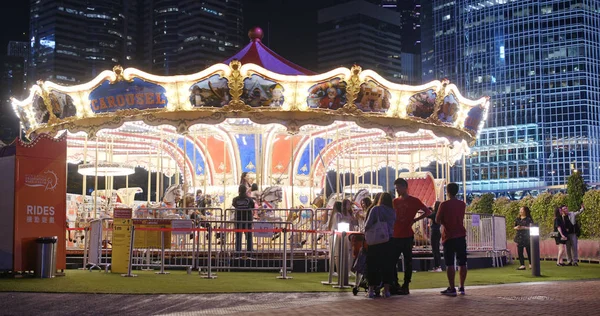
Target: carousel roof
{"x":257,"y":53}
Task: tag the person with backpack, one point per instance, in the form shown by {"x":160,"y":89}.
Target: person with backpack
{"x":572,"y":237}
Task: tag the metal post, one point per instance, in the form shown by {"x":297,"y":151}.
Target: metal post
{"x":534,"y":240}
{"x":284,"y":269}
{"x":343,"y":264}
{"x":209,"y":274}
{"x":494,"y":254}
{"x":331,"y":261}
{"x":129,"y":274}
{"x":162,"y":253}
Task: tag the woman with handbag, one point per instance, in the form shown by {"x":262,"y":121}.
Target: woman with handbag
{"x":560,"y":235}
{"x":378,"y":232}
{"x":522,"y":224}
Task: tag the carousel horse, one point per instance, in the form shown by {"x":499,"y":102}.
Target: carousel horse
{"x":271,"y":196}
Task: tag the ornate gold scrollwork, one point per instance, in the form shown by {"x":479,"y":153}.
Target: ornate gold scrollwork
{"x":235,"y":82}
{"x":439,"y":101}
{"x":118,"y":70}
{"x":352,"y":90}
{"x":47,"y":102}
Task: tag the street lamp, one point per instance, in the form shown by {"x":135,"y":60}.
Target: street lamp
{"x":534,"y":239}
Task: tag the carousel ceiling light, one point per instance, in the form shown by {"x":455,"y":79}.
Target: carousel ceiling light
{"x":106,"y":169}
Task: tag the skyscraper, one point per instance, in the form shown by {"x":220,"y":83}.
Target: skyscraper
{"x":186,"y":36}
{"x":538,"y":61}
{"x":12,"y":72}
{"x":72,"y":41}
{"x":362,"y":33}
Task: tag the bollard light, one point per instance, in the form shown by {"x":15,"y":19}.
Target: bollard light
{"x":534,"y":239}
{"x":343,"y":227}
{"x":534,"y":231}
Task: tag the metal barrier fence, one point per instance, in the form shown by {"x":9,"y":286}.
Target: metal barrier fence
{"x":207,"y":239}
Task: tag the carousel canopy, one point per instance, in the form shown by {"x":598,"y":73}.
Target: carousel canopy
{"x":257,"y":113}
{"x":257,"y":53}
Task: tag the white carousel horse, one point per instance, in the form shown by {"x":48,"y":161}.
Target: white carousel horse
{"x":271,"y":196}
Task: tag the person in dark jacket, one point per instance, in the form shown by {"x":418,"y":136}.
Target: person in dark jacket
{"x":244,"y":206}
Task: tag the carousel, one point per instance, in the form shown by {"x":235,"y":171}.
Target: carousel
{"x":255,"y":116}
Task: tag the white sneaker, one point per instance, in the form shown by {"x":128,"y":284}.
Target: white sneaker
{"x":438,"y":269}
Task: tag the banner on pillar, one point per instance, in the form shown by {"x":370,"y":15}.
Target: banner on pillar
{"x":40,"y":198}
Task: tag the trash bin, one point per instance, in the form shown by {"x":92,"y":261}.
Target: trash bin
{"x":45,"y":266}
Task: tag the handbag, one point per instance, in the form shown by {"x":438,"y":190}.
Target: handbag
{"x":378,"y":233}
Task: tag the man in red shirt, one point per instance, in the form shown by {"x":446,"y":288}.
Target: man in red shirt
{"x":451,"y":215}
{"x":406,"y":208}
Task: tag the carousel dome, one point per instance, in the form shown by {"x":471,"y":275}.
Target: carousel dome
{"x":257,"y":53}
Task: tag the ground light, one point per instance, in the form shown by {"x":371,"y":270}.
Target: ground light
{"x":343,"y":229}
{"x":534,"y":239}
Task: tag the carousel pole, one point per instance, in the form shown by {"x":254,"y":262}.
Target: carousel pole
{"x":292,"y":171}
{"x":437,"y":163}
{"x":387,"y":165}
{"x":171,"y":172}
{"x":84,"y":182}
{"x":157,"y":187}
{"x":448,"y":163}
{"x":256,"y":160}
{"x":106,"y":150}
{"x":112,"y":159}
{"x":396,"y":165}
{"x":337,"y":162}
{"x":225,"y":171}
{"x":311,"y":192}
{"x":372,"y":167}
{"x":185,"y":188}
{"x":350,"y":176}
{"x":195,"y":165}
{"x":161,"y":183}
{"x":464,"y":177}
{"x":96,"y":181}
{"x":205,"y":171}
{"x":127,"y":178}
{"x":419,"y":162}
{"x":149,"y":177}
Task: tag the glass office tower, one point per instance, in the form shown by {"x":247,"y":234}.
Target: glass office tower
{"x":539,"y":63}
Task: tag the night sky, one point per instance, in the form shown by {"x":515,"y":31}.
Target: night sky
{"x":14,"y":22}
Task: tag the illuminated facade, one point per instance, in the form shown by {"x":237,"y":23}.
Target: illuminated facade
{"x":537,"y":60}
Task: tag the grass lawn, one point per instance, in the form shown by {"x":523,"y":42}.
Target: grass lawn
{"x":77,"y":281}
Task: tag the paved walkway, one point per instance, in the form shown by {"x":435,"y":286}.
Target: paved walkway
{"x":540,"y":298}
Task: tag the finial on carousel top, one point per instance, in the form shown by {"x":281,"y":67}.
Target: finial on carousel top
{"x":255,"y":34}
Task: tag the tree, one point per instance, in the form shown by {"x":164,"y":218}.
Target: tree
{"x":482,"y":205}
{"x":589,"y":220}
{"x":542,"y":212}
{"x":503,"y":206}
{"x":575,"y":190}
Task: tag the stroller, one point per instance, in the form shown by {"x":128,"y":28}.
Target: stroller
{"x":359,"y":266}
